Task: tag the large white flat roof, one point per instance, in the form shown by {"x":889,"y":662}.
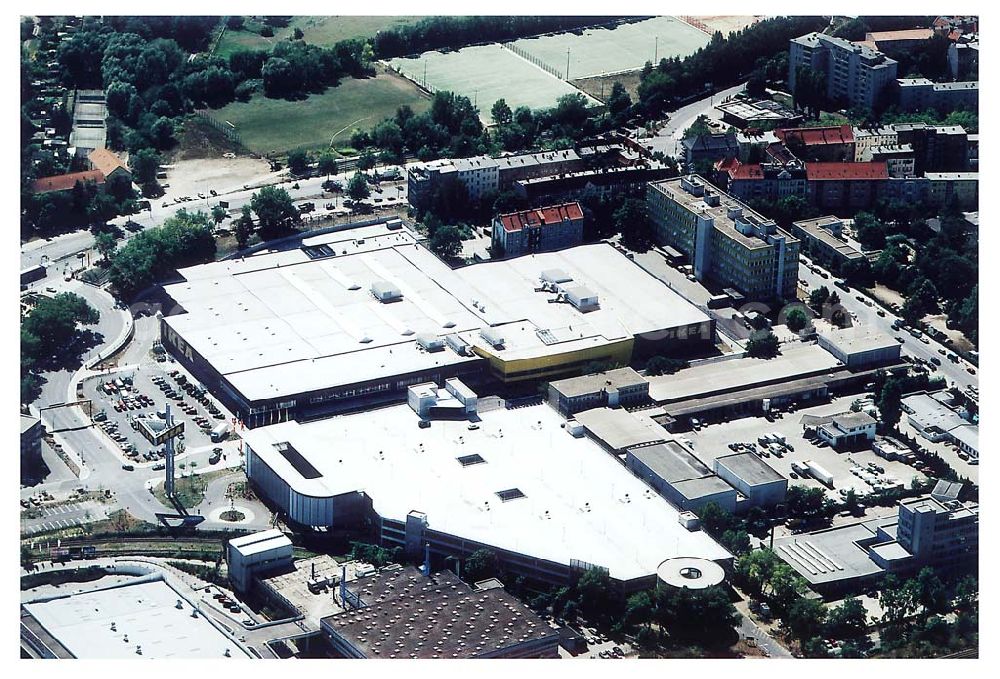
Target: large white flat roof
{"x":282,"y":323}
{"x":145,"y":611}
{"x":794,"y":360}
{"x":580,"y":502}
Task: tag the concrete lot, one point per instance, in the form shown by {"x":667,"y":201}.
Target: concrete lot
{"x":713,"y":441}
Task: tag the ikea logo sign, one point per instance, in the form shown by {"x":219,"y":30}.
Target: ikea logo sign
{"x":182,"y":347}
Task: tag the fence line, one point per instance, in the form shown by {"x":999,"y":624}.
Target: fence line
{"x":231,"y":134}
{"x":529,"y":57}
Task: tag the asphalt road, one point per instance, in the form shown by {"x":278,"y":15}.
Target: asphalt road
{"x":956,"y":374}
{"x":668,"y":138}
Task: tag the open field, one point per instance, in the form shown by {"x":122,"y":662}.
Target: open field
{"x":317,"y":30}
{"x":595,"y":51}
{"x":484,"y":74}
{"x":277,"y":125}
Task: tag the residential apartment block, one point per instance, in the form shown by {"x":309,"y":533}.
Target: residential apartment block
{"x":539,"y":230}
{"x":920,"y":94}
{"x":855,"y":74}
{"x":727,"y":242}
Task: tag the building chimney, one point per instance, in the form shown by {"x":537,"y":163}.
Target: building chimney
{"x":427,"y":559}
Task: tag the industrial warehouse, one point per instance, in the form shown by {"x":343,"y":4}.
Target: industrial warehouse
{"x":350,"y":320}
{"x":459,"y":485}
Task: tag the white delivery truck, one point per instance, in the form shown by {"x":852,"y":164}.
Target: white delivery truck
{"x":819,"y":473}
{"x":220,"y":431}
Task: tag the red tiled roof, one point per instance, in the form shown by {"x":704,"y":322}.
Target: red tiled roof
{"x":65,"y":182}
{"x":848,"y":171}
{"x":737,"y":170}
{"x":554,"y":214}
{"x":905,"y":34}
{"x":816,"y":136}
{"x":106,"y":161}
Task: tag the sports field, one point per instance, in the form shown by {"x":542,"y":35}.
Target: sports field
{"x":484,"y":74}
{"x":267,"y":125}
{"x":594,"y":51}
{"x":317,"y":30}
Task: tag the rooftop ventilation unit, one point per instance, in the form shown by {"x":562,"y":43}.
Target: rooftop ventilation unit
{"x":582,"y":298}
{"x":386,"y":292}
{"x":493,"y":337}
{"x":555,"y":276}
{"x":430,"y":342}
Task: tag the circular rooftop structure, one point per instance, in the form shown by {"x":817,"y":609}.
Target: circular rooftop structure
{"x":690,"y":572}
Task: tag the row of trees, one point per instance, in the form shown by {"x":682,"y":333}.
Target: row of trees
{"x":723,"y":61}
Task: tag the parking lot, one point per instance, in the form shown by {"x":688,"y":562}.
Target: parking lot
{"x":713,"y":441}
{"x":143,"y":391}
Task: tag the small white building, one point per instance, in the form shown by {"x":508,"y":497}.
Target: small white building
{"x":249,"y":555}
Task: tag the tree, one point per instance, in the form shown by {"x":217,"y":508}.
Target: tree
{"x":446,"y":241}
{"x":805,"y":618}
{"x":630,"y":221}
{"x":932,"y":593}
{"x":889,"y":403}
{"x":218,"y":214}
{"x":366,"y":161}
{"x":162,"y":132}
{"x":481,"y":565}
{"x":898,"y":601}
{"x":662,"y":365}
{"x":852,"y":501}
{"x":145,"y":164}
{"x":848,"y":620}
{"x":705,"y":616}
{"x":105,"y":243}
{"x":819,"y":297}
{"x":808,"y":504}
{"x":297,"y":34}
{"x":501,"y":113}
{"x":871,"y":232}
{"x":596,"y":595}
{"x":618,"y":104}
{"x":638,"y":610}
{"x":274,"y":209}
{"x":298,"y":161}
{"x":51,"y":325}
{"x":796,"y":320}
{"x":834,"y":299}
{"x":762,"y":344}
{"x":327,"y":164}
{"x":357,"y":187}
{"x":244,"y":228}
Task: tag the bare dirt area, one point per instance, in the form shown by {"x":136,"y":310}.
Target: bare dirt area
{"x":599,"y":86}
{"x":961,"y":343}
{"x":191,"y":177}
{"x":887,"y":295}
{"x":198,"y":139}
{"x":723,"y":24}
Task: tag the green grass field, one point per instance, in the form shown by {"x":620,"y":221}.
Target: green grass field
{"x":277,"y":125}
{"x":323,"y":31}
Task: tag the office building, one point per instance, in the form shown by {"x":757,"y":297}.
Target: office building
{"x":920,"y":94}
{"x":939,"y":533}
{"x":764,"y":181}
{"x":353,"y":318}
{"x":752,"y":477}
{"x":622,"y":387}
{"x":855,"y":75}
{"x":727,"y":242}
{"x":959,"y":188}
{"x":843,"y":431}
{"x":820,"y":237}
{"x":538,"y":230}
